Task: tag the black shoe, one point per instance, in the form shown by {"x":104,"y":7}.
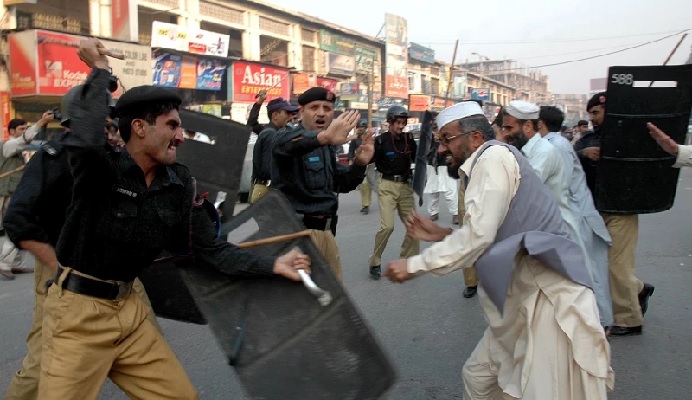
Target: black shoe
{"x":470,"y":291}
{"x":375,"y":272}
{"x":365,"y":210}
{"x":644,"y":296}
{"x":6,"y":275}
{"x":625,"y":331}
{"x":434,"y":217}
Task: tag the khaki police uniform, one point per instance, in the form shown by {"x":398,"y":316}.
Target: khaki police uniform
{"x":393,"y":158}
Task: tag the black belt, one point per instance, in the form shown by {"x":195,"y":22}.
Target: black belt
{"x":396,"y":178}
{"x":321,"y":222}
{"x":258,"y":181}
{"x":90,"y":287}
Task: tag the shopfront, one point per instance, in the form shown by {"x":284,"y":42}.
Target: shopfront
{"x":44,"y":65}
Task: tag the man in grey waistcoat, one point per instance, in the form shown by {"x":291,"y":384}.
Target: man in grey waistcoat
{"x":544,"y":339}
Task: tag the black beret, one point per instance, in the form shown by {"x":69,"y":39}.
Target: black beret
{"x":145,"y":94}
{"x":315,"y":94}
{"x":599,"y":99}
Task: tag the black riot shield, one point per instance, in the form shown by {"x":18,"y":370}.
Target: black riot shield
{"x":424,"y":143}
{"x":634,"y":173}
{"x":216,"y":168}
{"x":282,"y":341}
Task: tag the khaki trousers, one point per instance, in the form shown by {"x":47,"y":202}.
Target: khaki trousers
{"x":470,"y":274}
{"x":24,"y":384}
{"x":369,"y":184}
{"x":257,"y":192}
{"x":86,"y":340}
{"x":624,"y":285}
{"x":365,"y":193}
{"x":393,"y":196}
{"x":326,"y":243}
{"x":4,"y":203}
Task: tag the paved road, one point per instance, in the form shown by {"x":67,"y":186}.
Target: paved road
{"x":428,"y":328}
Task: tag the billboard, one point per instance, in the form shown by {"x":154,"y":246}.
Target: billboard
{"x":187,"y":72}
{"x":339,"y":64}
{"x":482,"y":94}
{"x":303,"y":82}
{"x":419,"y":102}
{"x":396,"y":77}
{"x":248,"y":78}
{"x":421,"y":53}
{"x":365,"y":59}
{"x":197,"y":41}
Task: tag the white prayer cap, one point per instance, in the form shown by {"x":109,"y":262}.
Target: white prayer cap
{"x":458,"y":111}
{"x":524,"y":110}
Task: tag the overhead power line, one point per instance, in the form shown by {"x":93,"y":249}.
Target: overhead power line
{"x":573,"y":40}
{"x":593,"y":57}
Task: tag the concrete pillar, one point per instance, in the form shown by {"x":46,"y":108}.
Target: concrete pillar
{"x":251,"y":37}
{"x":94,"y":17}
{"x":192,"y":14}
{"x":295,"y":48}
{"x":105,"y":16}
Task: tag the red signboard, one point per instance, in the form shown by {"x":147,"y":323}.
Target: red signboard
{"x":6,"y":114}
{"x":43,"y":62}
{"x":249,"y":78}
{"x":418,"y":102}
{"x":23,"y":63}
{"x":59,"y":67}
{"x":120,"y":19}
{"x":329,"y":84}
{"x":396,"y":86}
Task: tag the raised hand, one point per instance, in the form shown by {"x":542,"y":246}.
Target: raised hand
{"x":667,"y":144}
{"x":338,"y":131}
{"x":366,"y":150}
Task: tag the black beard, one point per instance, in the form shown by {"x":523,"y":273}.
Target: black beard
{"x":453,"y":171}
{"x":518,"y":141}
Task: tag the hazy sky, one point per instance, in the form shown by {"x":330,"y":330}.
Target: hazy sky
{"x":533,"y":32}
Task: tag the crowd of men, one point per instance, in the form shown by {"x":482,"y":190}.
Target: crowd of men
{"x":100,"y":201}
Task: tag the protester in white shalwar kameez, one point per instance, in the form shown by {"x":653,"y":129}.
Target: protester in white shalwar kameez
{"x":592,"y":228}
{"x":543,"y":340}
{"x":439,"y":182}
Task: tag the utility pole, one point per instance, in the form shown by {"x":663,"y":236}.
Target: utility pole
{"x":451,"y":74}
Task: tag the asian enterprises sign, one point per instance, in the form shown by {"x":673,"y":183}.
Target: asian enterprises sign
{"x":249,"y":78}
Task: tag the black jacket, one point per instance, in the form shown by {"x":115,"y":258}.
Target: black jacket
{"x":309,"y":174}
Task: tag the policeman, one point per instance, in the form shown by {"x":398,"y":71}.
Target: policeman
{"x":34,"y":220}
{"x":305,"y":168}
{"x":126,"y":208}
{"x":370,"y":182}
{"x":280,"y":112}
{"x":630,"y":295}
{"x":395,"y":151}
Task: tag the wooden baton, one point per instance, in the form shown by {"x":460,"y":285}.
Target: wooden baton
{"x":8,"y":173}
{"x":274,"y":239}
